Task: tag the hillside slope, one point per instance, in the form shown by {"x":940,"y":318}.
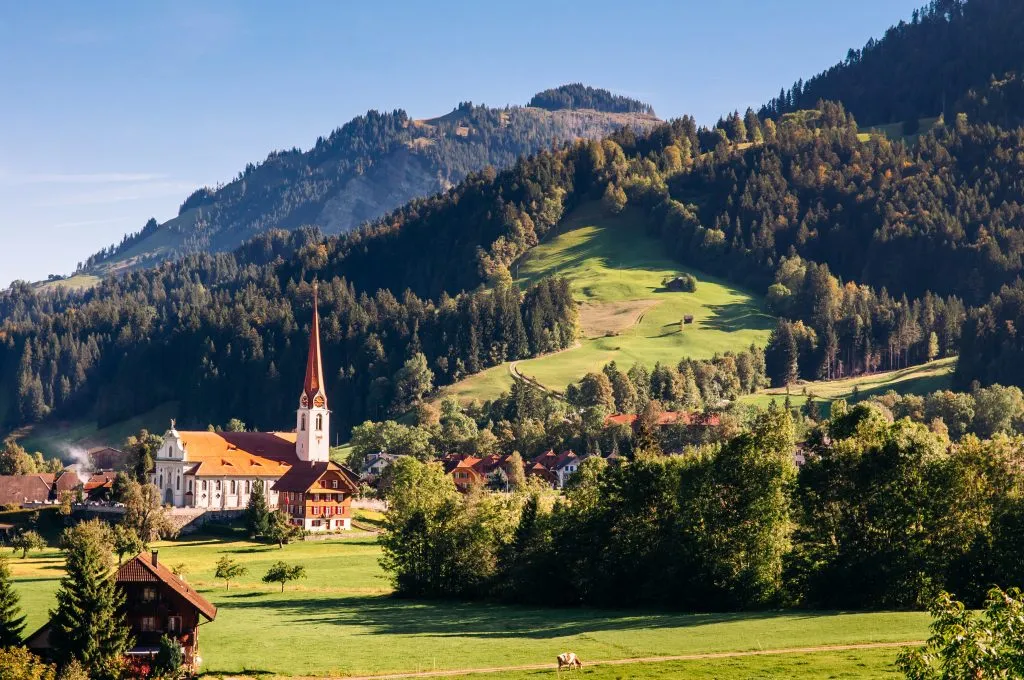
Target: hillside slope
{"x":617,"y":274}
{"x":365,"y":169}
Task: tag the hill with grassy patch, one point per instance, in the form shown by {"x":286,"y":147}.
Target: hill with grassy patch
{"x":618,"y":277}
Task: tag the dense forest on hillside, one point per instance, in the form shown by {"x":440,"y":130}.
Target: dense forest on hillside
{"x":369,"y":166}
{"x":920,"y":68}
{"x":580,"y":96}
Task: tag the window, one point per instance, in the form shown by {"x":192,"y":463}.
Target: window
{"x":173,"y":624}
{"x":248,"y":486}
{"x":190,"y":486}
{"x":334,"y":483}
{"x":315,"y":509}
{"x":148,"y":624}
{"x":319,"y":422}
{"x":177,"y":482}
{"x":316,"y":522}
{"x":302,"y":427}
{"x":161,"y":483}
{"x":148,"y":594}
{"x":218,"y":484}
{"x":203,"y":487}
{"x":233,"y":488}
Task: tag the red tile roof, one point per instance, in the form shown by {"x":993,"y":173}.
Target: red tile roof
{"x":303,"y":476}
{"x":250,"y":454}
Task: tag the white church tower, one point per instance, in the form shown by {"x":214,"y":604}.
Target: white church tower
{"x":312,"y":428}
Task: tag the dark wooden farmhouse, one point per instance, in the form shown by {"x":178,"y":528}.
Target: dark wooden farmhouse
{"x":157,"y":603}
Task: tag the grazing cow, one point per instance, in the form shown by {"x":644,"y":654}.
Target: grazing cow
{"x":570,"y":660}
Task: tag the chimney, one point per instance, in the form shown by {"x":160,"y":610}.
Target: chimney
{"x":154,"y":554}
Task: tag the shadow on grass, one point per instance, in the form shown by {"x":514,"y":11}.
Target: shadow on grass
{"x":385,"y":615}
{"x":738,"y":317}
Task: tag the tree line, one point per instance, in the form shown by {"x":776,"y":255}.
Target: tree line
{"x":893,"y":511}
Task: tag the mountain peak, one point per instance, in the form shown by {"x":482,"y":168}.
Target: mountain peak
{"x":580,"y":96}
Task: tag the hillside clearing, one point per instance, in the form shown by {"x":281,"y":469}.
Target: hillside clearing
{"x":346,"y":600}
{"x":921,"y":379}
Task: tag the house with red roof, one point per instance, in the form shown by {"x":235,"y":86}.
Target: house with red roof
{"x":318,"y":495}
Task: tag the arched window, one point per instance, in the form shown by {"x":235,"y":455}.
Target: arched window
{"x":233,"y":489}
{"x":177,"y":482}
{"x":303,"y":426}
{"x":248,"y":486}
{"x":319,"y":422}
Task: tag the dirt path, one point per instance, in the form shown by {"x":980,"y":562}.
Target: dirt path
{"x":513,"y":369}
{"x":622,"y":662}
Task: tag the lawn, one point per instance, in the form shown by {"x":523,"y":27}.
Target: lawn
{"x":617,"y":274}
{"x":344,"y":608}
{"x":921,"y":379}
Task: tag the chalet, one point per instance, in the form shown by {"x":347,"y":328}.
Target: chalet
{"x":554,"y":467}
{"x":375,"y":464}
{"x":157,"y":603}
{"x":318,"y":495}
{"x":99,"y":485}
{"x":465,"y":473}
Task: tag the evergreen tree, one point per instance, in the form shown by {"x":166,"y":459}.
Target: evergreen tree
{"x":12,"y":622}
{"x":781,"y":355}
{"x":257,"y":511}
{"x":88,"y":623}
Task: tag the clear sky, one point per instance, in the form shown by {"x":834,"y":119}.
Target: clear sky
{"x":113,"y":112}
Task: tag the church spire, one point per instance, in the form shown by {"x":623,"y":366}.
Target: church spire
{"x":314,"y":384}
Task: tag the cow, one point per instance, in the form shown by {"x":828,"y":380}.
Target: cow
{"x":569,"y":660}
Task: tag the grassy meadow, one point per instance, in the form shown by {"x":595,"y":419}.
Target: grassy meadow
{"x":921,"y":379}
{"x":342,"y":620}
{"x":617,"y":274}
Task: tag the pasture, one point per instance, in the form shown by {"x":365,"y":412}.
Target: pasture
{"x":341,"y":620}
{"x":627,"y":315}
{"x":921,"y":379}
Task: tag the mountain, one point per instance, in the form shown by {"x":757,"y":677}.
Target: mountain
{"x":921,"y":68}
{"x":370,"y":166}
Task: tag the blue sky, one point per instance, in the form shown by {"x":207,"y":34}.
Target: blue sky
{"x":113,"y":112}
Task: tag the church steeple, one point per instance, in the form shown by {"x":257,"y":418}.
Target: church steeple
{"x":312,"y":386}
{"x":312,"y":428}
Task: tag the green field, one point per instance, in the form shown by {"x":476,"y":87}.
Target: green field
{"x":342,"y":621}
{"x":617,"y":273}
{"x":921,"y":379}
{"x":56,"y":438}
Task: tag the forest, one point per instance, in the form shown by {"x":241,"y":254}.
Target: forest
{"x":893,"y":511}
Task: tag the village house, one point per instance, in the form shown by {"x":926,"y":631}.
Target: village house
{"x":157,"y":603}
{"x":37,"y":488}
{"x":99,"y":485}
{"x":318,"y":495}
{"x":218,"y":470}
{"x":375,"y":464}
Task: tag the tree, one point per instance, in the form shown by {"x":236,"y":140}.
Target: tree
{"x":235,"y":425}
{"x":14,"y":460}
{"x":412,"y":382}
{"x":141,"y":449}
{"x":281,"y":572}
{"x":27,"y":540}
{"x":121,"y":487}
{"x":781,"y":355}
{"x":967,"y":645}
{"x":169,"y":659}
{"x":614,"y":199}
{"x":256,"y":511}
{"x":88,"y":623}
{"x":18,"y":663}
{"x":229,"y":570}
{"x":933,"y":346}
{"x":180,"y":569}
{"x":516,"y":471}
{"x":126,"y":541}
{"x":145,"y":514}
{"x":12,"y":622}
{"x":280,"y":529}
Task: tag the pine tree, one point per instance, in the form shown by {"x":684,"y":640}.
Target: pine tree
{"x":12,"y":623}
{"x":88,"y":623}
{"x":257,"y":512}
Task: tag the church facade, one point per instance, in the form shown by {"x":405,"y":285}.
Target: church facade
{"x":219,"y":470}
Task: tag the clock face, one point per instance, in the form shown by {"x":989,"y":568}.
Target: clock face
{"x":319,"y":401}
{"x":304,"y":402}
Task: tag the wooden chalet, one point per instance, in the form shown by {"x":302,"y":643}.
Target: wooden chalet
{"x":157,"y":603}
{"x":318,"y":495}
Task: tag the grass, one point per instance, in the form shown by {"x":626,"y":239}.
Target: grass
{"x":921,"y":379}
{"x":343,"y":611}
{"x":617,"y":273}
{"x":75,"y":282}
{"x":58,"y":438}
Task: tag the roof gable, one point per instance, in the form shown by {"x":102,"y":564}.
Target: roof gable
{"x":142,"y":569}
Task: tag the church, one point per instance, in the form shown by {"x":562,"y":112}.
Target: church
{"x":217,"y":470}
